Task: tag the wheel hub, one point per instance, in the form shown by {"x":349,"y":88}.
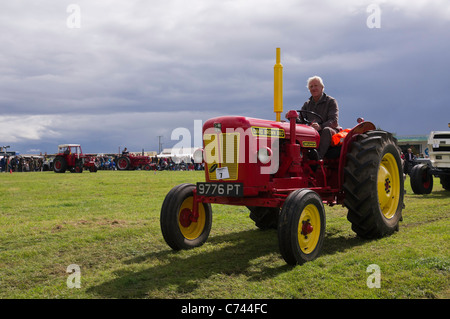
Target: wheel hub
{"x":425,"y":179}
{"x":185,"y":217}
{"x":387,"y":185}
{"x":122,"y":163}
{"x":307,"y":228}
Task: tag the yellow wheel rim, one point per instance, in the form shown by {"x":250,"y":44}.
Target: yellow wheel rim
{"x":309,"y":229}
{"x":190,"y":229}
{"x":388,"y":185}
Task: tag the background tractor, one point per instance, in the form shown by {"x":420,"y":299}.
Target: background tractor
{"x":437,"y":165}
{"x":70,"y":157}
{"x":131,"y":162}
{"x":273,"y":168}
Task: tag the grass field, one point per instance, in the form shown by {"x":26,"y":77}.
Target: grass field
{"x":107,"y":223}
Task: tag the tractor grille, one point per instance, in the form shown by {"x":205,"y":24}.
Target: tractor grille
{"x":441,"y":143}
{"x":441,"y":149}
{"x":222,"y":150}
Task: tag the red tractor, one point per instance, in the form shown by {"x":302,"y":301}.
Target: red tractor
{"x":70,"y":157}
{"x":274,"y":169}
{"x":130,"y":162}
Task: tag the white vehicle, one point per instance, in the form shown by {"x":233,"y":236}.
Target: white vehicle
{"x":437,"y":165}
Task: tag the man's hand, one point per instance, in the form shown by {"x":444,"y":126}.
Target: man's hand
{"x":316,"y":126}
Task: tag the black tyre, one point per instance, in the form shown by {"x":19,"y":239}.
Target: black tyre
{"x":123,"y":163}
{"x":374,"y":185}
{"x":178,"y":225}
{"x":445,"y":182}
{"x":59,"y":164}
{"x":264,"y":217}
{"x":421,"y":179}
{"x":301,"y":227}
{"x":78,"y":167}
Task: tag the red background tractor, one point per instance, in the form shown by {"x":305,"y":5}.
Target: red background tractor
{"x":130,"y":162}
{"x":70,"y":157}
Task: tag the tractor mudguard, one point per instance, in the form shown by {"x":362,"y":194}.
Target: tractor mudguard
{"x":358,"y":129}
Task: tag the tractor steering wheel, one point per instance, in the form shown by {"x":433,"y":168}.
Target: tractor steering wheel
{"x":302,"y":119}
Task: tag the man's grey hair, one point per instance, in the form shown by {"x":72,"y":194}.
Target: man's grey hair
{"x":315,"y":77}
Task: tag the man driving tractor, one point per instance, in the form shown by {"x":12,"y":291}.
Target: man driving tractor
{"x":327,"y":108}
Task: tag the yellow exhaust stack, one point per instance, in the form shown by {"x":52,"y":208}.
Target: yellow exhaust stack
{"x":278,"y":87}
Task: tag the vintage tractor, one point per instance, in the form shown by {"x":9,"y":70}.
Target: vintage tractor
{"x":437,"y":165}
{"x":70,"y":157}
{"x":273,"y":168}
{"x":131,"y":162}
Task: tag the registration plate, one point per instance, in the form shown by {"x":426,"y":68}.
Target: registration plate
{"x":220,"y":189}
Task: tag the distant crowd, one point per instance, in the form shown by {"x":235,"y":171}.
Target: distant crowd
{"x":409,"y":161}
{"x":156,"y":163}
{"x":21,"y":164}
{"x":104,"y":162}
{"x":166,"y":163}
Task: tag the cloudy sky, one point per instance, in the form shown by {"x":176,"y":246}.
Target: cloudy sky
{"x":110,"y":74}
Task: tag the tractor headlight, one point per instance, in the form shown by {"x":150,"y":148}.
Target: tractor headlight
{"x":264,"y":155}
{"x":198,"y":156}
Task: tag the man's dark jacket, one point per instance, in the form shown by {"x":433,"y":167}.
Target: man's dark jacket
{"x":326,"y":107}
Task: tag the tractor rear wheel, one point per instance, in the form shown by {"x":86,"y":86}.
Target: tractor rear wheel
{"x":59,"y":164}
{"x":374,"y":185}
{"x":123,"y":163}
{"x":301,"y":227}
{"x":421,"y":179}
{"x":180,"y":228}
{"x":264,"y":217}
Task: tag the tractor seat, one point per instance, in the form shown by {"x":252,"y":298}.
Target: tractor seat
{"x":333,"y":152}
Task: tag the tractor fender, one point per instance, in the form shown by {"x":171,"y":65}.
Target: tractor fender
{"x":358,"y":129}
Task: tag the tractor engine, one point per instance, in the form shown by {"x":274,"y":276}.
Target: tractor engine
{"x":254,"y":158}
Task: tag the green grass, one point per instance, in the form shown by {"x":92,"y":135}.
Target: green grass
{"x":108,"y":224}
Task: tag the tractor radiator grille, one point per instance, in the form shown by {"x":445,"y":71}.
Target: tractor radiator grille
{"x":441,"y":149}
{"x":222,"y":150}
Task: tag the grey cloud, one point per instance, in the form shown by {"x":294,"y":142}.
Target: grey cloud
{"x":154,"y":58}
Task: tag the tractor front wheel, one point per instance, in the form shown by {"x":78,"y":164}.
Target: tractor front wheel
{"x":59,"y":165}
{"x":373,"y":184}
{"x":181,"y":227}
{"x":301,"y":227}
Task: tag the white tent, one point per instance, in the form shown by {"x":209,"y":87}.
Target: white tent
{"x":179,"y":154}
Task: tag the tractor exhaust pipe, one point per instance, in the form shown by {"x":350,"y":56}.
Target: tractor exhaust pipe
{"x":278,"y":87}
